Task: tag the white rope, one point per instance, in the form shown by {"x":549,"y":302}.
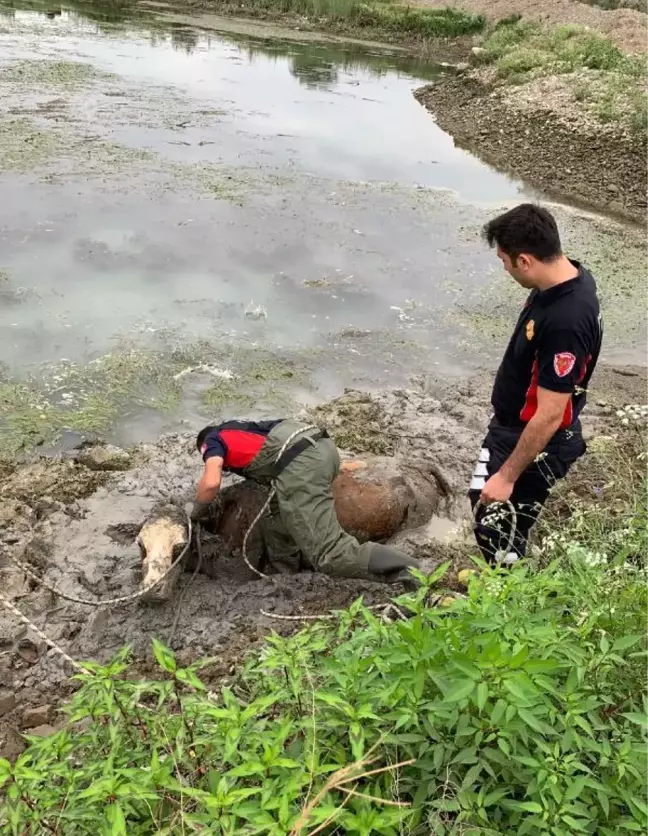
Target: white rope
{"x":508,"y":504}
{"x":49,"y":642}
{"x":271,"y":495}
{"x":140,"y":593}
{"x":108,"y":602}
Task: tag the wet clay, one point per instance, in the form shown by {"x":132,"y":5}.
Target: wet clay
{"x":84,"y":540}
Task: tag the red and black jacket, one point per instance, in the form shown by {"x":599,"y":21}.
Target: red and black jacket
{"x":555,"y":345}
{"x":237,"y":443}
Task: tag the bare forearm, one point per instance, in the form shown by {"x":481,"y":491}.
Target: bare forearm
{"x":206,"y":492}
{"x":532,"y":442}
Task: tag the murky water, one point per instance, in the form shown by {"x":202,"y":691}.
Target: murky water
{"x":164,"y":186}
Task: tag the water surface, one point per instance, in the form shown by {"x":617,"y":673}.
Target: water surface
{"x":177,"y":190}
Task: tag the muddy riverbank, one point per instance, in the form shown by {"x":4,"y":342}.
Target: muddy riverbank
{"x":66,"y":519}
{"x":544,"y":140}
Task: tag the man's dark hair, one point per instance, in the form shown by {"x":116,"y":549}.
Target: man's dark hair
{"x":202,"y":435}
{"x":526,"y":229}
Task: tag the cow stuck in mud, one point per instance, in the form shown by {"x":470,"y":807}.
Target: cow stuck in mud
{"x":375,"y":498}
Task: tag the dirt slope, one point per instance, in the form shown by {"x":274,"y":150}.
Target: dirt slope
{"x":626,"y":27}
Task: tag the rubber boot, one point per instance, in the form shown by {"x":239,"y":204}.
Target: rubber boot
{"x":393,"y":565}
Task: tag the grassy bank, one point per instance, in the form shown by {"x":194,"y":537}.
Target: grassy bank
{"x":519,"y":709}
{"x":371,"y":19}
{"x":638,"y":5}
{"x":593,"y":74}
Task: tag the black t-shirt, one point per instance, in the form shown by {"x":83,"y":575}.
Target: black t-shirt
{"x":555,"y":345}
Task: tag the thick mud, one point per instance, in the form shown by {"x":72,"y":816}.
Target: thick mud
{"x":76,"y":526}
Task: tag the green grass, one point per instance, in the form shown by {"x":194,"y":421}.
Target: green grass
{"x":609,"y":83}
{"x":372,"y":18}
{"x":639,"y":118}
{"x":523,"y":47}
{"x":518,"y":709}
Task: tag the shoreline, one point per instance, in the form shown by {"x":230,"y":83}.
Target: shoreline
{"x":518,"y":129}
{"x":604,"y":173}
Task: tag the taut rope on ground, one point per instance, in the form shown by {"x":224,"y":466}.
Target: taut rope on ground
{"x":49,"y":642}
{"x":108,"y":602}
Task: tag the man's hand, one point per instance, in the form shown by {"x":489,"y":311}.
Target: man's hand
{"x":497,"y":489}
{"x":199,"y":511}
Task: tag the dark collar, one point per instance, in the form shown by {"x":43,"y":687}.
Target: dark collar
{"x":547,"y":297}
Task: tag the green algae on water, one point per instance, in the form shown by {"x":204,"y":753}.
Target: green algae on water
{"x":85,"y":398}
{"x":24,"y":146}
{"x":39,"y":73}
{"x":260,"y":378}
{"x":95,"y":396}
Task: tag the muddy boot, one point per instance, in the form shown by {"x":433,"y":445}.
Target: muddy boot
{"x":393,"y":566}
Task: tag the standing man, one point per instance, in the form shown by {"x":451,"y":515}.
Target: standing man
{"x":301,"y":527}
{"x":540,"y":389}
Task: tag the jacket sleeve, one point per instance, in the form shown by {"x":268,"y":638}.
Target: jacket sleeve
{"x":213,"y":446}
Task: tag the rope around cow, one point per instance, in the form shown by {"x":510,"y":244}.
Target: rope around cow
{"x":142,"y":592}
{"x":124,"y":599}
{"x":85,"y":601}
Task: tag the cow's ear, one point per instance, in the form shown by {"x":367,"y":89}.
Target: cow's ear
{"x":124,"y":533}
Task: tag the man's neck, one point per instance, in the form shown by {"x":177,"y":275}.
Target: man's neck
{"x":556,"y":272}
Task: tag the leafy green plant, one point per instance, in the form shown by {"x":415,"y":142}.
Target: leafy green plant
{"x":507,"y":713}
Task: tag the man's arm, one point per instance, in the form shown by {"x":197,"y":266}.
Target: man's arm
{"x":210,"y":481}
{"x":535,"y":437}
{"x":208,"y":487}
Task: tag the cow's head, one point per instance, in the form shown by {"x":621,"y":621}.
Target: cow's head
{"x":161,"y":540}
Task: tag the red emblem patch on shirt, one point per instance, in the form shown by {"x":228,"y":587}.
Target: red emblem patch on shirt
{"x":564,"y":362}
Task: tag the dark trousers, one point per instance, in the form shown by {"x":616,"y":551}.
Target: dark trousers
{"x":493,"y":522}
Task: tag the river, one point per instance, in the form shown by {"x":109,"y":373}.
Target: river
{"x":198,"y":223}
